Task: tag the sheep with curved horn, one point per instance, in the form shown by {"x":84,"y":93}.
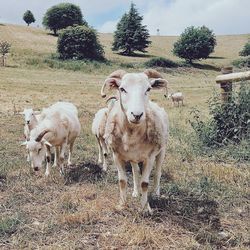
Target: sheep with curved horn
{"x":136,"y":130}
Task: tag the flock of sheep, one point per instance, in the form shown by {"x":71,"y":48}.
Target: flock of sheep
{"x":132,"y":127}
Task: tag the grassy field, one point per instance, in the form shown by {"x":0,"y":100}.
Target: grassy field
{"x":205,"y":202}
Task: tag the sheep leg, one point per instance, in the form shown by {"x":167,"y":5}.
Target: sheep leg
{"x":157,"y":176}
{"x":104,"y":154}
{"x":61,"y":157}
{"x":70,"y":152}
{"x":57,"y":152}
{"x":100,"y":155}
{"x":122,"y":179}
{"x":48,"y":160}
{"x":135,"y":169}
{"x":147,"y":168}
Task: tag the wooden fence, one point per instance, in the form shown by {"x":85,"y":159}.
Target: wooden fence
{"x":227,"y":78}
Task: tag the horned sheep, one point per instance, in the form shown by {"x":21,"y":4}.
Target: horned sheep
{"x":59,"y":127}
{"x":136,"y":130}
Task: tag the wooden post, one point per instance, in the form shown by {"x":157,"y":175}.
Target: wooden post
{"x":226,"y":86}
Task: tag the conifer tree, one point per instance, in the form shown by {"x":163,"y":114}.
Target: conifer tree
{"x":131,"y":35}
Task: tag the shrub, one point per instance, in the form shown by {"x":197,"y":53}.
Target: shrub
{"x":160,"y":62}
{"x":246,"y":50}
{"x":28,"y":17}
{"x":229,"y":122}
{"x":4,"y":49}
{"x":195,"y":43}
{"x":131,"y":35}
{"x":79,"y":42}
{"x":242,"y":62}
{"x":62,"y":15}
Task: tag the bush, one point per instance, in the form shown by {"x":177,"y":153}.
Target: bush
{"x":195,"y":43}
{"x":63,"y":15}
{"x":229,"y":122}
{"x":28,"y":17}
{"x":242,"y":63}
{"x":79,"y":42}
{"x":246,"y":50}
{"x":160,"y":62}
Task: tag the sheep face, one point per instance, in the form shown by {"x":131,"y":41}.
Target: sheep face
{"x":37,"y":152}
{"x":29,"y":115}
{"x":134,"y":90}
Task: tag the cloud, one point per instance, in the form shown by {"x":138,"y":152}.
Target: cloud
{"x":108,"y":27}
{"x":170,"y":16}
{"x":223,"y":16}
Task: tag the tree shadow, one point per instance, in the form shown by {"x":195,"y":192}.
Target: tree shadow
{"x":205,"y":67}
{"x":216,"y":57}
{"x":136,"y":55}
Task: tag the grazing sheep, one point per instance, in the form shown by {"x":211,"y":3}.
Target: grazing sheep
{"x":59,"y":127}
{"x":136,"y":130}
{"x":176,"y":98}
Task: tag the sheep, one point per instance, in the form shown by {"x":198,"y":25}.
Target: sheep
{"x":31,"y":119}
{"x":59,"y":127}
{"x":136,"y":130}
{"x":176,"y":98}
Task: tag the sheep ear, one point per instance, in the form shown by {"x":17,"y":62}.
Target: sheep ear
{"x":23,"y":143}
{"x":20,"y":113}
{"x":47,"y":143}
{"x":158,"y":83}
{"x":113,"y":81}
{"x":37,"y":112}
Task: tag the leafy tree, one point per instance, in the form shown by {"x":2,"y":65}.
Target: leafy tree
{"x":4,"y":49}
{"x":246,"y":50}
{"x":62,"y":15}
{"x":28,"y":17}
{"x":131,"y":35}
{"x":195,"y":43}
{"x":79,"y":42}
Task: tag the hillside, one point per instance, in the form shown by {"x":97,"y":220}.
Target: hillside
{"x":205,"y":192}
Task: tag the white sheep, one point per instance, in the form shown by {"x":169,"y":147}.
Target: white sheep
{"x":176,"y":98}
{"x":59,"y":127}
{"x":31,"y":119}
{"x":98,"y":129}
{"x":136,"y":130}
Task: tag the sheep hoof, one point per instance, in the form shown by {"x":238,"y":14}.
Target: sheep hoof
{"x":46,"y":174}
{"x":147,"y":210}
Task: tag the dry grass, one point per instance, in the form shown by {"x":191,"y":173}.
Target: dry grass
{"x":205,"y":203}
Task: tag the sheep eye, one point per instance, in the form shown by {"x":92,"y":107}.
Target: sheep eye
{"x":123,"y":90}
{"x":39,"y":150}
{"x":148,"y":90}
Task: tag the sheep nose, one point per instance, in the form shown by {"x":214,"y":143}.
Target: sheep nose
{"x":28,"y":122}
{"x":36,"y":168}
{"x":137,"y":117}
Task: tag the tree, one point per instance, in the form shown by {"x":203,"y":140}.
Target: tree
{"x":79,"y":42}
{"x":246,"y":50}
{"x":4,"y":49}
{"x":195,"y":44}
{"x":62,"y":15}
{"x":130,"y":34}
{"x":28,"y":17}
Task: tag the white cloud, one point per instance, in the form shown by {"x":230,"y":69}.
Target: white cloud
{"x":223,"y":16}
{"x":108,"y":27}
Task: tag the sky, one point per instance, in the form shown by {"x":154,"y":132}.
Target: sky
{"x":171,"y":17}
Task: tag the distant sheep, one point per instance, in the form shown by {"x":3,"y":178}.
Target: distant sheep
{"x":136,"y":130}
{"x":176,"y":98}
{"x":59,"y":127}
